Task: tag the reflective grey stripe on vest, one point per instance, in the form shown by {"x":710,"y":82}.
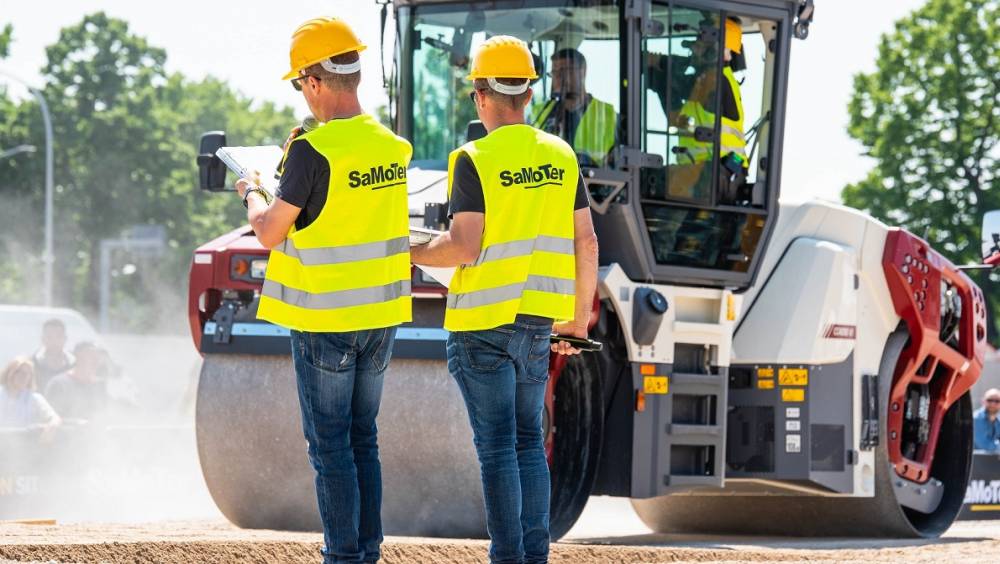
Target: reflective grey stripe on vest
{"x":345,"y":253}
{"x":511,"y":292}
{"x":732,"y":131}
{"x":341,"y":298}
{"x":525,"y":247}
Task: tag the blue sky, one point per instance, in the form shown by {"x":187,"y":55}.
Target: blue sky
{"x":246,"y":43}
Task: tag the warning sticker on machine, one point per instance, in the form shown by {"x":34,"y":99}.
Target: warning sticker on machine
{"x":766,"y":384}
{"x":765,"y":373}
{"x":793,"y":376}
{"x":793,"y":394}
{"x":655,"y":384}
{"x":793,"y":443}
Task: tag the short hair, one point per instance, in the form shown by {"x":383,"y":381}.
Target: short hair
{"x":515,"y":101}
{"x":572,"y":55}
{"x":83,"y":346}
{"x":991,"y":392}
{"x":334,"y":81}
{"x":53,"y":322}
{"x":13,"y":367}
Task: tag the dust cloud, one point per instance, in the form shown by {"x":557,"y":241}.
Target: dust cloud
{"x":138,"y":462}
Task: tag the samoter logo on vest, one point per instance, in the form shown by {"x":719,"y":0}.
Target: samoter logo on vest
{"x":378,"y":177}
{"x":531,"y":177}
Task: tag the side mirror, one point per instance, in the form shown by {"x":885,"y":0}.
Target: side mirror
{"x":211,"y":170}
{"x":475,"y":130}
{"x":991,"y":238}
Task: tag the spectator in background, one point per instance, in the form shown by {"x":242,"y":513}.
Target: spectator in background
{"x":986,"y":427}
{"x":52,"y":359}
{"x":80,"y":393}
{"x":21,"y":406}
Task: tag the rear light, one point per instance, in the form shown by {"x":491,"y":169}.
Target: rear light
{"x":248,"y":268}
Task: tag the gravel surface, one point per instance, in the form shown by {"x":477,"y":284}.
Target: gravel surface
{"x":218,"y":542}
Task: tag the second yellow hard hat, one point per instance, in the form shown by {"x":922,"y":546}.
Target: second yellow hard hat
{"x":734,"y":36}
{"x":319,"y":39}
{"x":503,"y":56}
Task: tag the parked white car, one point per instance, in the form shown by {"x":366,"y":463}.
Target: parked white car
{"x":21,"y":329}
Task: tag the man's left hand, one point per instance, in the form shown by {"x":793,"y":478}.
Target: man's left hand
{"x":244,"y":184}
{"x":572,"y":329}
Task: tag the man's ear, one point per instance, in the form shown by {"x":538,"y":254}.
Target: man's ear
{"x":527,"y":99}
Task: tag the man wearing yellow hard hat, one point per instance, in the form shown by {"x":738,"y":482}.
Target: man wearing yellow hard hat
{"x":338,"y":277}
{"x":526,"y":252}
{"x":690,"y":106}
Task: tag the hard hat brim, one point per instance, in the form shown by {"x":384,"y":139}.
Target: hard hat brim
{"x":295,"y":72}
{"x":474,"y":76}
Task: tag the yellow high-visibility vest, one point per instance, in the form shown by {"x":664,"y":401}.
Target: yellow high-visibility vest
{"x":527,"y":262}
{"x":731,"y":139}
{"x":349,"y":269}
{"x":595,"y":135}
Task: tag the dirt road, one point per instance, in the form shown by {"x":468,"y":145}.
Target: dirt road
{"x":218,"y":542}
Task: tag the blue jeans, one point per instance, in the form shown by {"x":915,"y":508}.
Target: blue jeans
{"x":502,"y":374}
{"x":340,"y":387}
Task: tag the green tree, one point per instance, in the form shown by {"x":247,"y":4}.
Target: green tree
{"x":5,"y":37}
{"x":126,"y":136}
{"x":930,"y":117}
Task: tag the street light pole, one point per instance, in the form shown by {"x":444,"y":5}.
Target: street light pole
{"x":48,"y":258}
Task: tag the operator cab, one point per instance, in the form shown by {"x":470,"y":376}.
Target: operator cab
{"x":677,"y":134}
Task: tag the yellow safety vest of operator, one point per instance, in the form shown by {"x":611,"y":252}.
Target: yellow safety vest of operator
{"x":731,"y":139}
{"x":527,"y":263}
{"x":349,"y":269}
{"x":595,"y":136}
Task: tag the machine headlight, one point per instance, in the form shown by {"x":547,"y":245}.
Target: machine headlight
{"x":257,"y":268}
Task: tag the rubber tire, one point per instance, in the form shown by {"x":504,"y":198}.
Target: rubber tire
{"x":579,"y":428}
{"x":814,"y":516}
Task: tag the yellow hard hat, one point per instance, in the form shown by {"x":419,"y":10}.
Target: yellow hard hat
{"x":734,"y":36}
{"x":319,"y":39}
{"x":503,"y":56}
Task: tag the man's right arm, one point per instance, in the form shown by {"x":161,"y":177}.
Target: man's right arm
{"x":585,"y":248}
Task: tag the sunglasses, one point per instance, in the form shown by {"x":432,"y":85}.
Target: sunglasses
{"x":297,"y":82}
{"x":993,"y":401}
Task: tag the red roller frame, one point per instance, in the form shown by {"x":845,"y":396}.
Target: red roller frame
{"x":556,"y":364}
{"x":914,"y":273}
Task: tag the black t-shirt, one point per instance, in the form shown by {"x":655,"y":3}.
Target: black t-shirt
{"x":304,"y":182}
{"x":467,"y":189}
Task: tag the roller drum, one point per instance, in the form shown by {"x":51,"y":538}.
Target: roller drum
{"x":254,"y":459}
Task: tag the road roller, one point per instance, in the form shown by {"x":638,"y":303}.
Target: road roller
{"x":780,"y":369}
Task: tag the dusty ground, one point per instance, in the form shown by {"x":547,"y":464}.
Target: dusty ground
{"x":219,"y":542}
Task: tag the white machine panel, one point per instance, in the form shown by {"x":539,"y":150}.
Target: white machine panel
{"x":807,"y":311}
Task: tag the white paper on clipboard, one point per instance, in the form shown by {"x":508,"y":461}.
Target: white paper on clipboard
{"x":244,"y":161}
{"x":422,"y":236}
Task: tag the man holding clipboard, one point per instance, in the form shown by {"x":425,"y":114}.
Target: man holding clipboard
{"x":338,"y":276}
{"x":523,"y":236}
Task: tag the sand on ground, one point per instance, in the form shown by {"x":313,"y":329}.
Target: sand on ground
{"x":217,"y":541}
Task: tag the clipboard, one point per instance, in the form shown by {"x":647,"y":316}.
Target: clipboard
{"x":245,"y":161}
{"x":422,"y":236}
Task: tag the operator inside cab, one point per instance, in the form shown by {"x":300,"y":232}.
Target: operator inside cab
{"x":689,"y":103}
{"x":586,"y":123}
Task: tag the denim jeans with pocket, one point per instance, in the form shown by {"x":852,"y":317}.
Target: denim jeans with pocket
{"x":502,"y":374}
{"x":340,"y":387}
